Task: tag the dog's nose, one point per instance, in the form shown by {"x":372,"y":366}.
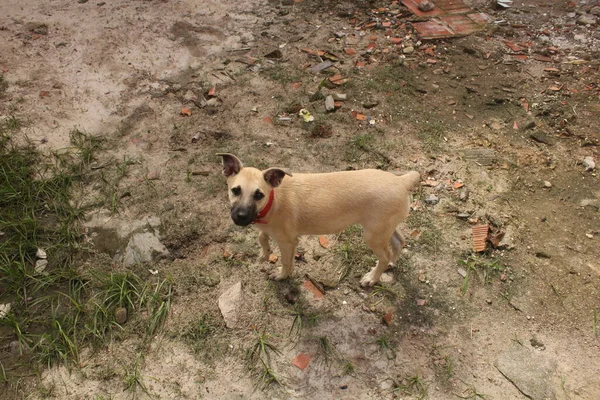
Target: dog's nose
{"x":242,"y":217}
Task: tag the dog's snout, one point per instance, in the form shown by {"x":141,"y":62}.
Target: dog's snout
{"x":242,"y":216}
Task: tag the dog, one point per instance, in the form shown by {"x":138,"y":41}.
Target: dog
{"x":284,"y":206}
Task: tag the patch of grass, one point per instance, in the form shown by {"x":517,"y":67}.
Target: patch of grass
{"x":476,"y":264}
{"x":37,"y":211}
{"x":330,"y":352}
{"x":413,"y":386}
{"x":354,"y":252}
{"x":431,"y":134}
{"x":202,"y":336}
{"x":387,"y":78}
{"x":281,"y":75}
{"x":127,"y":290}
{"x":132,"y":379}
{"x":386,"y":291}
{"x":11,"y":123}
{"x":60,"y":342}
{"x":430,"y":236}
{"x":3,"y":85}
{"x":258,"y":358}
{"x":385,"y":345}
{"x":366,"y":149}
{"x":470,"y":393}
{"x":303,"y":318}
{"x":327,"y":348}
{"x":362,"y":142}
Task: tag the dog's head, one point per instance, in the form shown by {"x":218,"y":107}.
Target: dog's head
{"x":249,"y":188}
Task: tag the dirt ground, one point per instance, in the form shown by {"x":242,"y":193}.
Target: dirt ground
{"x":498,"y":132}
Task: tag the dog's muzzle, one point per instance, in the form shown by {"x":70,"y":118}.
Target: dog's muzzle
{"x":243,"y":216}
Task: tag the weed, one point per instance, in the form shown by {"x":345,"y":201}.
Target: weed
{"x":362,"y":142}
{"x":259,"y":356}
{"x":432,"y":135}
{"x":430,"y":236}
{"x":12,"y":123}
{"x":327,"y":348}
{"x":595,"y":326}
{"x":386,"y":291}
{"x":348,"y":368}
{"x":132,"y":378}
{"x":385,"y":79}
{"x":3,"y":85}
{"x":282,"y":75}
{"x":470,"y":393}
{"x":385,"y":345}
{"x":303,"y":318}
{"x":353,"y":251}
{"x":413,"y":386}
{"x":201,"y":336}
{"x":475,"y":264}
{"x":3,"y":376}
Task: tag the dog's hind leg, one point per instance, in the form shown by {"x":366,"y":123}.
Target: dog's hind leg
{"x":397,"y":242}
{"x":288,"y":249}
{"x":263,"y":239}
{"x":378,"y":242}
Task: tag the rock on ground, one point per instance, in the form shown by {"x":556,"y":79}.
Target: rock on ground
{"x":531,"y":372}
{"x":144,"y":247}
{"x":229,"y":304}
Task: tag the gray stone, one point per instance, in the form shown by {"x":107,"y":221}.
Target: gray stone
{"x":229,"y":304}
{"x":432,"y":199}
{"x":531,"y":372}
{"x":144,"y":247}
{"x":408,"y":50}
{"x":595,"y":10}
{"x":589,"y":163}
{"x":386,"y":277}
{"x":587,"y":19}
{"x":329,"y":103}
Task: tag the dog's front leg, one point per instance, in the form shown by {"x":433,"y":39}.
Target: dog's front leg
{"x":263,"y":239}
{"x":288,"y":249}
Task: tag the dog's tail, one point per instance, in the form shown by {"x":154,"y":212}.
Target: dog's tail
{"x":410,"y":178}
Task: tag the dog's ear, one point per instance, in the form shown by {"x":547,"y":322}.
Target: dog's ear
{"x":231,"y":164}
{"x":274,"y":176}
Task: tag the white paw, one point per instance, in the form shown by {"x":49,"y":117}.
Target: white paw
{"x":369,"y":279}
{"x":278,"y":275}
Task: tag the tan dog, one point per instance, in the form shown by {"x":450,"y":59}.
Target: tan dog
{"x":284,"y":207}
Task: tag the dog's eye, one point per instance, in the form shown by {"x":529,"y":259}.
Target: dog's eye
{"x":236,"y":191}
{"x":258,"y":195}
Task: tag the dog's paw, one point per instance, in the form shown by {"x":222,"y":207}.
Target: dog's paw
{"x":278,"y":275}
{"x":369,"y":279}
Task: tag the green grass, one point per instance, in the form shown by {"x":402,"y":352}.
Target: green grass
{"x":430,"y":237}
{"x":431,"y":134}
{"x":353,"y":252}
{"x":385,"y":345}
{"x":303,"y":318}
{"x":60,"y":310}
{"x":3,"y":85}
{"x":258,"y":358}
{"x":414,"y":386}
{"x":132,"y":378}
{"x":474,"y":264}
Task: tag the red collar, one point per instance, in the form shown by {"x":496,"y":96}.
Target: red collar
{"x":263,"y":213}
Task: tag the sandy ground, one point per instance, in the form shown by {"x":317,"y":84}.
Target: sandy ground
{"x":125,"y":70}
